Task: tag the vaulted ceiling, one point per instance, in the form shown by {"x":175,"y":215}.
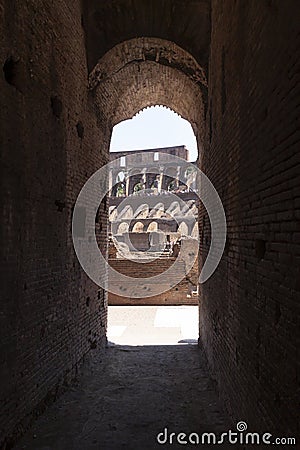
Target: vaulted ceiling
{"x":184,"y":22}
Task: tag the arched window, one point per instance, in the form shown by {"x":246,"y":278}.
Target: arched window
{"x":138,"y":227}
{"x":183,"y":229}
{"x":195,"y":232}
{"x":157,"y":211}
{"x":152,"y":227}
{"x":120,"y":191}
{"x":120,"y":177}
{"x":172,"y":186}
{"x":123,"y":228}
{"x":142,"y":212}
{"x":126,"y":213}
{"x":138,"y":187}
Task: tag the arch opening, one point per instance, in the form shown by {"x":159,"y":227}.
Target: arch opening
{"x":128,"y":79}
{"x":126,"y":88}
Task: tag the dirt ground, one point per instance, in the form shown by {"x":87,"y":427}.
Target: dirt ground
{"x":126,"y":395}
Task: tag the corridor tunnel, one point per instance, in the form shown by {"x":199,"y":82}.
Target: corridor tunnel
{"x":71,"y":72}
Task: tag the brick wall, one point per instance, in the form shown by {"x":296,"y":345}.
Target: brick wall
{"x":174,"y":296}
{"x":51,"y":314}
{"x":125,"y":81}
{"x":249,"y":306}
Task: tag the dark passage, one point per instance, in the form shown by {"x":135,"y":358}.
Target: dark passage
{"x":126,"y":396}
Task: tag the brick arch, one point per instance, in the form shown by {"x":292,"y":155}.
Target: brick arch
{"x":126,"y":212}
{"x":144,"y":72}
{"x":157,"y":211}
{"x":183,"y":228}
{"x":123,"y":228}
{"x":153,"y":226}
{"x":195,"y":231}
{"x":143,"y":49}
{"x":174,"y":208}
{"x":138,"y":227}
{"x":142,"y":211}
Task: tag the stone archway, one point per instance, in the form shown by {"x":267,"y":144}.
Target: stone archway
{"x":144,"y":72}
{"x":138,"y":227}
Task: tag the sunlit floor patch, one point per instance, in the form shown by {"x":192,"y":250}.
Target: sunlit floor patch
{"x":115,"y":331}
{"x":152,"y":325}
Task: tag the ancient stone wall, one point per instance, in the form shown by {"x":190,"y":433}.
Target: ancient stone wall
{"x":181,"y":294}
{"x":249,"y":306}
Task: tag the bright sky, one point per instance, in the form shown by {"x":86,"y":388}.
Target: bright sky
{"x":152,"y":128}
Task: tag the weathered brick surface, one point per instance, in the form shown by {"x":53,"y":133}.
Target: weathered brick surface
{"x":139,"y":83}
{"x":250,"y":306}
{"x":177,"y":295}
{"x":51,"y":314}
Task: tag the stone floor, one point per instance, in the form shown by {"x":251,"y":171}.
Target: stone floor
{"x":128,"y":394}
{"x":153,"y":325}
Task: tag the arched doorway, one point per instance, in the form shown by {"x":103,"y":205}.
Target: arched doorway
{"x":153,"y":83}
